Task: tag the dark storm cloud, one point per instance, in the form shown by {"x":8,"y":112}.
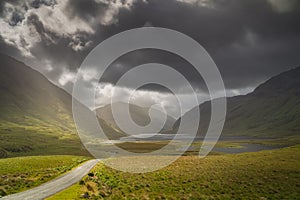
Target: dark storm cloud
{"x":132,"y":59}
{"x":20,"y":8}
{"x":38,"y":3}
{"x":5,"y":1}
{"x":249,"y":40}
{"x":10,"y":50}
{"x":17,"y":14}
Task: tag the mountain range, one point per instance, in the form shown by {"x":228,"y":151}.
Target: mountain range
{"x":271,"y":110}
{"x":140,"y":115}
{"x":36,"y":115}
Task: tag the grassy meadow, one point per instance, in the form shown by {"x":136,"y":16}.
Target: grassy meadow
{"x":19,"y":174}
{"x":40,"y":138}
{"x":270,"y":174}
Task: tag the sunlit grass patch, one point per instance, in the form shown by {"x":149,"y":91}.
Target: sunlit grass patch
{"x":18,"y":174}
{"x":272,"y":174}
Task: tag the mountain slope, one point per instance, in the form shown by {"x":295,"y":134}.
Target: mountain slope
{"x":271,"y":110}
{"x":35,"y":115}
{"x":139,"y":115}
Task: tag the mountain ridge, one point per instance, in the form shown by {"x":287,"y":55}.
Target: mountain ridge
{"x":271,"y":110}
{"x":35,"y":115}
{"x":138,"y":114}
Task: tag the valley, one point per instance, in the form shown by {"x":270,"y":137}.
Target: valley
{"x":149,"y":100}
{"x":257,"y":153}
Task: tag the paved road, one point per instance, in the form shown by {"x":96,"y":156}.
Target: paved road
{"x":54,"y":186}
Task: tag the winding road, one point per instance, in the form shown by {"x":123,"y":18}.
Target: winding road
{"x":56,"y":185}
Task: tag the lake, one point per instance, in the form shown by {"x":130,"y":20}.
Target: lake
{"x":245,"y":147}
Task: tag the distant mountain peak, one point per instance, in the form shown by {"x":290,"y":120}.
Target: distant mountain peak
{"x":283,"y":83}
{"x":140,"y":115}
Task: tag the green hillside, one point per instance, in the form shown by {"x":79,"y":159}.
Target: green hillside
{"x":35,"y":115}
{"x":271,"y":110}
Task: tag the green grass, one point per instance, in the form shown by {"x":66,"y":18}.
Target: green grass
{"x":225,"y":144}
{"x":287,"y":141}
{"x":142,"y":147}
{"x":73,"y":193}
{"x":17,"y":140}
{"x":273,"y":174}
{"x":18,"y":174}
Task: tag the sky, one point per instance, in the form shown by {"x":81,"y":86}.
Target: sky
{"x":250,"y":40}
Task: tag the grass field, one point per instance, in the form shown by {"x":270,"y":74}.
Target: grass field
{"x":18,"y":174}
{"x":272,"y":174}
{"x":18,"y":140}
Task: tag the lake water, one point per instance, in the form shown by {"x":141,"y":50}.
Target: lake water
{"x":154,"y":137}
{"x":182,"y":137}
{"x":246,"y":147}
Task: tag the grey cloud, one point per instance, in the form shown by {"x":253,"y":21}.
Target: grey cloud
{"x":10,"y":50}
{"x":16,"y":18}
{"x":20,"y":8}
{"x":136,"y":58}
{"x":47,"y":36}
{"x":13,"y":14}
{"x":85,"y":9}
{"x":38,"y":3}
{"x":249,"y":40}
